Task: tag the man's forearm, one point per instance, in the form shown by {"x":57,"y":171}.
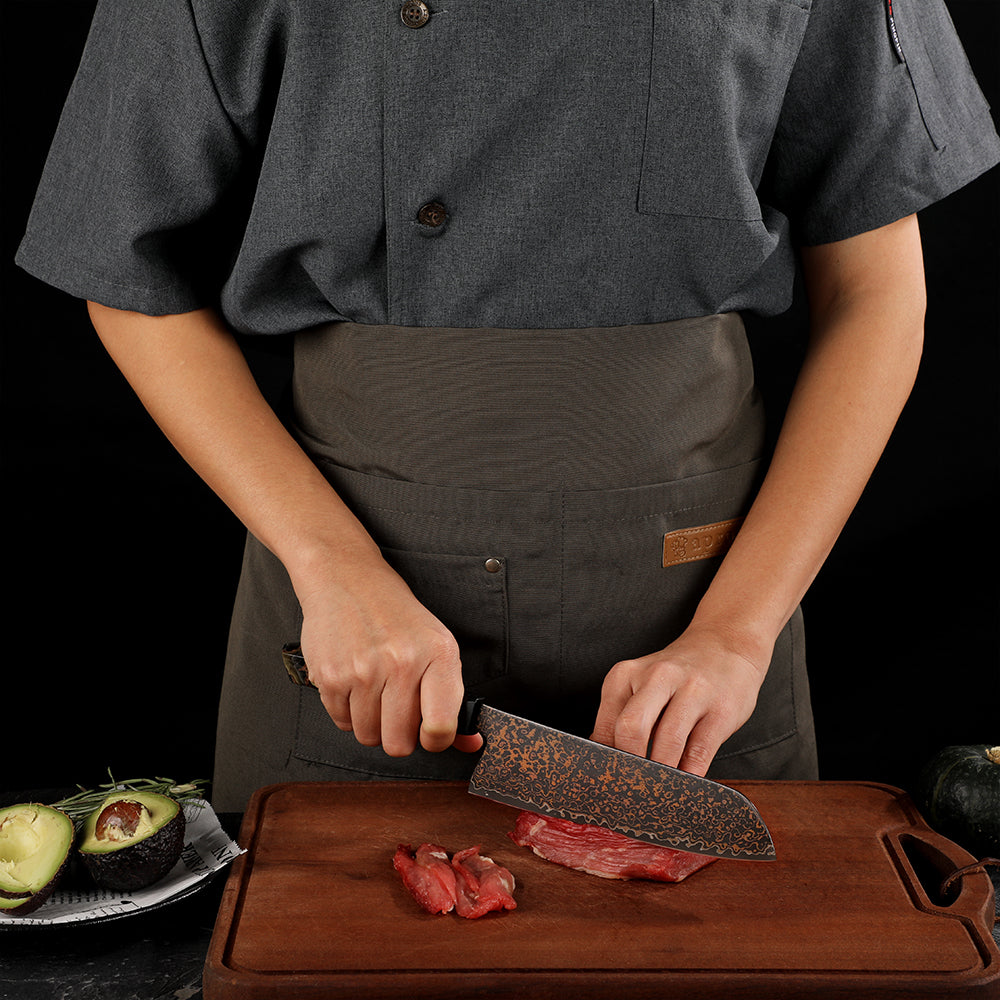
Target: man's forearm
{"x":867,"y":334}
{"x":385,"y":667}
{"x":192,"y":377}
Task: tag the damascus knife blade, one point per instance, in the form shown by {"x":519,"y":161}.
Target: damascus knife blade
{"x":540,"y":769}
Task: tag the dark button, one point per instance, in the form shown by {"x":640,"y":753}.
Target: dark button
{"x":414,"y":13}
{"x":432,"y":214}
{"x":492,"y":565}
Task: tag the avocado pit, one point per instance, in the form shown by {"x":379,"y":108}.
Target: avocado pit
{"x":132,"y":839}
{"x":122,"y":820}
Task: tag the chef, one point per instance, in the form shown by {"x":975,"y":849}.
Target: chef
{"x":513,"y":246}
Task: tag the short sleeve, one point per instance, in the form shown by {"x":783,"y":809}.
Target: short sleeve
{"x":134,"y":202}
{"x":881,"y":118}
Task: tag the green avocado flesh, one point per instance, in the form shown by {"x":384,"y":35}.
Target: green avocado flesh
{"x":132,"y":839}
{"x":35,"y":842}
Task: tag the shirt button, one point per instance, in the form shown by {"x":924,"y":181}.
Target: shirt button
{"x":492,"y":565}
{"x":432,"y":214}
{"x":414,"y":13}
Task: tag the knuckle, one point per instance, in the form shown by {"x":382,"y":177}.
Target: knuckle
{"x":670,"y":745}
{"x":697,"y":685}
{"x":411,"y":655}
{"x":699,"y":755}
{"x":396,"y":652}
{"x":629,"y":729}
{"x":444,"y":647}
{"x":620,"y":672}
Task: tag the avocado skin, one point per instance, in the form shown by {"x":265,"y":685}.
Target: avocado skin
{"x":36,"y":899}
{"x":4,"y":894}
{"x":136,"y":865}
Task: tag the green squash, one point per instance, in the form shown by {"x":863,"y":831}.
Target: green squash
{"x":959,"y":793}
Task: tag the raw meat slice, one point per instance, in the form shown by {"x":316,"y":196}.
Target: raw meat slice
{"x":467,"y":883}
{"x":483,"y":885}
{"x":428,"y":875}
{"x":602,"y":852}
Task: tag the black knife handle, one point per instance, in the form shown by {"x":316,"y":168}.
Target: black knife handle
{"x":469,"y":716}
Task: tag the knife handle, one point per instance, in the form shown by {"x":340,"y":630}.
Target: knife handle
{"x":469,"y":716}
{"x":295,"y":664}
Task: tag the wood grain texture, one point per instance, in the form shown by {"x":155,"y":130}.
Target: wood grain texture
{"x":315,"y":909}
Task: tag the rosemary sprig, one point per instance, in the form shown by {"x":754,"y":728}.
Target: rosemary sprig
{"x":80,"y":805}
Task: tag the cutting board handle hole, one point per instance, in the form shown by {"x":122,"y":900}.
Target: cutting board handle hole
{"x":931,"y":866}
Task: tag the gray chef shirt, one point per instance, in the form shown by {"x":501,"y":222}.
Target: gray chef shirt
{"x":458,"y":163}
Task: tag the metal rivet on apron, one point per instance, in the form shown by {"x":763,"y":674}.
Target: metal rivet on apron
{"x":414,"y":13}
{"x":492,"y":565}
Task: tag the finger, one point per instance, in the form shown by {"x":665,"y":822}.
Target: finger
{"x":673,"y":730}
{"x":338,"y":707}
{"x":636,"y":723}
{"x":366,"y":714}
{"x":468,"y":743}
{"x":615,"y":694}
{"x":334,"y":698}
{"x":441,"y":694}
{"x":702,"y":746}
{"x":400,"y":719}
{"x":653,"y":687}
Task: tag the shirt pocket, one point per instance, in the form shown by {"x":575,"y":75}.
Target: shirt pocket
{"x":468,"y":595}
{"x":938,"y":79}
{"x":718,"y":73}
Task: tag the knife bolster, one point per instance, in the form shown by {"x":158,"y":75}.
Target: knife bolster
{"x":469,"y":716}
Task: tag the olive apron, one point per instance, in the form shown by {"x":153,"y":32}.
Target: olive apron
{"x":550,"y":496}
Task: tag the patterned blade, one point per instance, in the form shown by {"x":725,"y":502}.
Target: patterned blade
{"x":543,"y":770}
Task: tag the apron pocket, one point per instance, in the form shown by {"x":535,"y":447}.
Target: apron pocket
{"x":468,"y":595}
{"x":717,"y":82}
{"x":621,"y":602}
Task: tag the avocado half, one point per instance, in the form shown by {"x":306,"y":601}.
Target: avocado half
{"x":132,"y":839}
{"x":35,"y":842}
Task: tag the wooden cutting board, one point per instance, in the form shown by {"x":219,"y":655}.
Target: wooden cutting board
{"x":315,"y":909}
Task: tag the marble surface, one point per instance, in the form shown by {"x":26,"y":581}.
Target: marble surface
{"x":155,"y":956}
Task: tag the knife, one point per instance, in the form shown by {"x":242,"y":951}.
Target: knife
{"x":532,"y":766}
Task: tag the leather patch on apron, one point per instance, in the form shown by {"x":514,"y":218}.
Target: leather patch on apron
{"x":702,"y":542}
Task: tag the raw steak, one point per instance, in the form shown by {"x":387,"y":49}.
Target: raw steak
{"x":428,"y":875}
{"x":482,"y":884}
{"x":602,"y":852}
{"x":467,"y":883}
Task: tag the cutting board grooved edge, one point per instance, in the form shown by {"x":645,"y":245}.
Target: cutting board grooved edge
{"x":238,"y":883}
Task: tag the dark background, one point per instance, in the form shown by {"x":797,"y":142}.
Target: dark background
{"x":121,"y":565}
